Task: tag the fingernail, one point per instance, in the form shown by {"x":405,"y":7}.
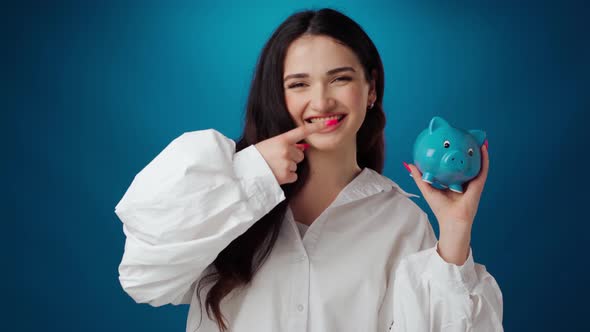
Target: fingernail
{"x":407,"y":167}
{"x":302,"y":146}
{"x":331,"y":122}
{"x":486,"y":144}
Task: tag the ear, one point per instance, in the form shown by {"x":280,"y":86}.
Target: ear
{"x":437,"y":122}
{"x":480,"y":136}
{"x":373,"y":87}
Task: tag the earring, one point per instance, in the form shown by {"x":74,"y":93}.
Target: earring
{"x":371,"y":106}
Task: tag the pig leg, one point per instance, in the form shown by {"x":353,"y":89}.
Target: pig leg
{"x":428,"y":177}
{"x":456,"y":188}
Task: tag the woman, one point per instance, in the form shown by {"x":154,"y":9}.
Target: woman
{"x":294,"y":228}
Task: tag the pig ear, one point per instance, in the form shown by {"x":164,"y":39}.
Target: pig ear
{"x":480,"y":136}
{"x":437,"y":122}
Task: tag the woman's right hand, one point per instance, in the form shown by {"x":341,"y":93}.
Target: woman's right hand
{"x":282,"y":153}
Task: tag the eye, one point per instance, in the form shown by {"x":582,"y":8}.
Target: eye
{"x":446,"y":144}
{"x":344,"y":78}
{"x":295,"y":85}
{"x":470,"y":152}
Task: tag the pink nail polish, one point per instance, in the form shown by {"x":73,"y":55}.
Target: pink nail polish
{"x":407,"y":167}
{"x":486,"y":144}
{"x":331,"y":122}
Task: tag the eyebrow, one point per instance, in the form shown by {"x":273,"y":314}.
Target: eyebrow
{"x":328,"y":73}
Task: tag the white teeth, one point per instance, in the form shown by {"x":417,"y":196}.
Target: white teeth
{"x":337,"y":117}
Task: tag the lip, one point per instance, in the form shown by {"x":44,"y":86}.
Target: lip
{"x":333,"y":127}
{"x":325,"y":116}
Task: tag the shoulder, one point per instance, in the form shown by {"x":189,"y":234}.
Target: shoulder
{"x":198,"y":136}
{"x":395,"y":194}
{"x":203,"y":142}
{"x":387,"y":183}
{"x":399,"y":205}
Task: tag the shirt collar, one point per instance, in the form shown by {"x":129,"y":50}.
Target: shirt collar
{"x":367,"y":183}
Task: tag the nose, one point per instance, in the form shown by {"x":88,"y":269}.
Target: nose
{"x":454,"y":160}
{"x":321,"y":101}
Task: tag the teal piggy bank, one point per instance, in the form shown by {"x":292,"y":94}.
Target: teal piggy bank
{"x":448,"y":156}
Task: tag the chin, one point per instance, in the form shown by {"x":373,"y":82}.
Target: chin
{"x":326,"y":146}
{"x":331,"y":142}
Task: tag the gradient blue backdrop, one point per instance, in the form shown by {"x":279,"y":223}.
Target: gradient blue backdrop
{"x":93,"y":92}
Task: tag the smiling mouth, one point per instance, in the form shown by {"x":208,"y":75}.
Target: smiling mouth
{"x":338,"y":117}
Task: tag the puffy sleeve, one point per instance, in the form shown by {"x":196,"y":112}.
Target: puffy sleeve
{"x":430,"y":294}
{"x":184,"y":208}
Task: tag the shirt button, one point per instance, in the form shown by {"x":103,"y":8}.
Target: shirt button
{"x":300,"y":307}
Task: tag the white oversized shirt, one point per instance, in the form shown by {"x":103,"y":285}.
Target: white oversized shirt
{"x":367,"y":263}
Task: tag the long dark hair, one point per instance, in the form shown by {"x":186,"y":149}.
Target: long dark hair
{"x":267,"y":116}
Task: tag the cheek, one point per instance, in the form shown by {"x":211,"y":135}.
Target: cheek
{"x":353,"y":97}
{"x":295,"y":106}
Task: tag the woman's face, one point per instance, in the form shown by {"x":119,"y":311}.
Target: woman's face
{"x":323,"y":78}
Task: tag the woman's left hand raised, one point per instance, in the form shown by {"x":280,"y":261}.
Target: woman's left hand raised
{"x":454,"y":212}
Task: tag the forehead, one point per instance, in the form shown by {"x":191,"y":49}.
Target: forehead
{"x":318,"y":54}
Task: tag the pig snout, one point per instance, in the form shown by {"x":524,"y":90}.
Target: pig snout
{"x":454,"y":160}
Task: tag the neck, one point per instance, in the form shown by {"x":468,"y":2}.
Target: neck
{"x":331,"y":170}
{"x":329,"y":173}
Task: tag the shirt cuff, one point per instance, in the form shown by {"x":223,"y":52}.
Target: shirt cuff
{"x":462,"y":278}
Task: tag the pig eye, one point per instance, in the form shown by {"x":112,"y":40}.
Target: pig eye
{"x":446,"y":144}
{"x":470,"y":152}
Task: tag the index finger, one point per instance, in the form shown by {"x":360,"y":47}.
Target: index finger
{"x":301,"y":132}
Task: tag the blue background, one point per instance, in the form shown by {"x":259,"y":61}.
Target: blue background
{"x":93,"y":92}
